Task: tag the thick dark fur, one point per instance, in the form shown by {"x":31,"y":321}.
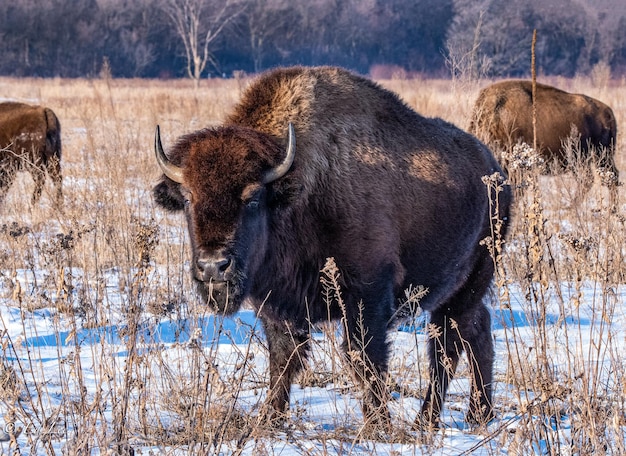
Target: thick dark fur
{"x":502,"y":116}
{"x":30,"y":139}
{"x":395,"y":198}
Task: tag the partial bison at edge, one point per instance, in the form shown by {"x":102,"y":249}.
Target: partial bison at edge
{"x":30,"y":140}
{"x":503,"y":116}
{"x":318,"y":163}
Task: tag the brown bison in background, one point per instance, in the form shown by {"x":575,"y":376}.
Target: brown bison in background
{"x":503,"y":116}
{"x":315,"y":163}
{"x":30,"y":139}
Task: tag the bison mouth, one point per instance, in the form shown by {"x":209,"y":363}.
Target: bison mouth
{"x":223,"y":297}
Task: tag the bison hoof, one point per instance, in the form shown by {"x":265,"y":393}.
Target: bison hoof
{"x":377,"y":425}
{"x":480,"y":418}
{"x":271,"y":416}
{"x":426,"y":422}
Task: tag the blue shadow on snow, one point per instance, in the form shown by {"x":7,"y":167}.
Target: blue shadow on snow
{"x":237,"y":329}
{"x":213,"y":329}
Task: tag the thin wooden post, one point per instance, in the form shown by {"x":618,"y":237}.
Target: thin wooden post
{"x":534,"y":88}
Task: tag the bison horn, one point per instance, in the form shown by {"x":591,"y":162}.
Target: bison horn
{"x":280,"y":170}
{"x":169,"y":169}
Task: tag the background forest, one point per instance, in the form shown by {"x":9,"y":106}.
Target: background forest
{"x":207,"y":38}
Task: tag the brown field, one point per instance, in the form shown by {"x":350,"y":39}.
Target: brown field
{"x":110,"y":257}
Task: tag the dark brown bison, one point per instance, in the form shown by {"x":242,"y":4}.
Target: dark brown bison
{"x":502,"y":117}
{"x":30,"y":139}
{"x":315,"y":163}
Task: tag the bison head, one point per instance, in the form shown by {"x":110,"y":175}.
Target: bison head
{"x":222,"y":178}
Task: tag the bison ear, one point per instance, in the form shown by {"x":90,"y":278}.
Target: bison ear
{"x":167,"y":195}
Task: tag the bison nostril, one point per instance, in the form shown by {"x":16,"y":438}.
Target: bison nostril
{"x":202,"y":264}
{"x":222,"y":265}
{"x":211,"y":268}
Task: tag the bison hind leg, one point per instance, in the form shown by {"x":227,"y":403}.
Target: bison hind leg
{"x":7,"y":176}
{"x":480,"y":351}
{"x":54,"y":171}
{"x":463,"y":324}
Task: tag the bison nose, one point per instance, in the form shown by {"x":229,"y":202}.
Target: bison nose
{"x":214,"y":268}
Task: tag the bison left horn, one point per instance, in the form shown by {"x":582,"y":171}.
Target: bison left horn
{"x":280,"y":170}
{"x":169,"y":169}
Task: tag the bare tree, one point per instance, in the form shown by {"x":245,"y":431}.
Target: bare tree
{"x":199,"y":23}
{"x":269,"y":23}
{"x":463,"y":59}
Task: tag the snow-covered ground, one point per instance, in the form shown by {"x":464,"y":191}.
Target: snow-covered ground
{"x":53,"y":354}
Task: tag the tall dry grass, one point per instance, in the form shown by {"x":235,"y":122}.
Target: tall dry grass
{"x":110,"y":260}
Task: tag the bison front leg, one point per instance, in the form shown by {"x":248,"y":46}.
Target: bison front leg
{"x":288,"y":349}
{"x":366,"y":349}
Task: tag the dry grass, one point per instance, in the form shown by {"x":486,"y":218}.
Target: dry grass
{"x":110,"y":258}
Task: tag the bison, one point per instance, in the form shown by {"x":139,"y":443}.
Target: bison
{"x":30,"y":139}
{"x":319,"y":163}
{"x":503,"y":116}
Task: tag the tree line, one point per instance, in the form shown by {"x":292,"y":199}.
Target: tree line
{"x":207,"y":38}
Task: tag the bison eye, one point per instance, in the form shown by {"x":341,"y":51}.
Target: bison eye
{"x":252,"y":203}
{"x":252,"y":196}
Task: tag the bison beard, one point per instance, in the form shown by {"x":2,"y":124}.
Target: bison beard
{"x":396,"y":199}
{"x":216,"y":295}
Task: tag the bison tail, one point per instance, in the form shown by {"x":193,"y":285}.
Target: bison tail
{"x":53,"y":134}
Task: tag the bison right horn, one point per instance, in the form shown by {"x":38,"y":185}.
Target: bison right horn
{"x":281,"y":169}
{"x":169,"y":169}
